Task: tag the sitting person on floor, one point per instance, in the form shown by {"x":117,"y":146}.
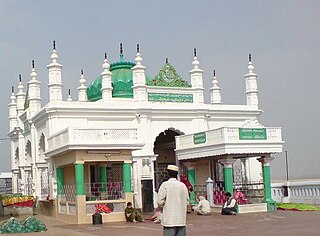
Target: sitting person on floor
{"x":230,"y":206}
{"x":203,"y":207}
{"x":132,"y":214}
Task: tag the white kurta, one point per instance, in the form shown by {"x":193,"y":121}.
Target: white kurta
{"x":174,"y":197}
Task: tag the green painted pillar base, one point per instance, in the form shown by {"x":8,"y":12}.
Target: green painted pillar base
{"x":127,"y":177}
{"x":192,"y":180}
{"x":79,"y":171}
{"x":228,"y":174}
{"x":103,"y":178}
{"x":265,"y":161}
{"x":60,"y":180}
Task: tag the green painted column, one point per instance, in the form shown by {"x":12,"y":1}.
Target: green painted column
{"x":79,"y":169}
{"x":103,"y":178}
{"x":228,"y":179}
{"x":265,"y":161}
{"x":228,"y":174}
{"x":127,"y":177}
{"x":192,"y":180}
{"x":60,"y":180}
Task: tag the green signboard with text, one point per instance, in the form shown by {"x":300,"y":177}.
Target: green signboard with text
{"x":170,"y":97}
{"x":252,"y":134}
{"x":199,"y":138}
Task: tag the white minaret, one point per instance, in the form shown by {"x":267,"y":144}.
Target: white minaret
{"x":215,"y":90}
{"x":139,"y":79}
{"x":82,"y":89}
{"x":69,"y":99}
{"x":106,"y":85}
{"x":196,"y":80}
{"x":34,"y":97}
{"x":21,"y":98}
{"x":55,"y":78}
{"x":251,"y":85}
{"x":13,"y":120}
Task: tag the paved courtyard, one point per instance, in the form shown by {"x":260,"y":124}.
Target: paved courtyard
{"x":261,"y":224}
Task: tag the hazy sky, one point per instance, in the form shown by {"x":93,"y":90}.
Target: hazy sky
{"x":283,"y":37}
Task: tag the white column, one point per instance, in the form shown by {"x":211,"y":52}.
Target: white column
{"x":139,"y":79}
{"x":196,"y":80}
{"x":55,"y":77}
{"x":34,"y":97}
{"x":106,"y":85}
{"x":215,"y":90}
{"x":82,"y":89}
{"x":251,"y":85}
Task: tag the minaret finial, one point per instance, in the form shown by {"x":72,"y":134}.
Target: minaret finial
{"x":69,"y":92}
{"x":32,"y":64}
{"x":121,"y":49}
{"x":250,"y":58}
{"x":12,"y":89}
{"x":81,"y":71}
{"x":138,"y":48}
{"x":195,"y":52}
{"x":214,"y":72}
{"x":19,"y":78}
{"x":54,"y":45}
{"x":167,"y":61}
{"x":105,"y":55}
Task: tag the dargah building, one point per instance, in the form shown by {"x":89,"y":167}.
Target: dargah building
{"x":112,"y":143}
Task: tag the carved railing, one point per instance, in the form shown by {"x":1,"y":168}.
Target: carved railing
{"x":75,"y":136}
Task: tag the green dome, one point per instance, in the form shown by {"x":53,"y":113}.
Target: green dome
{"x":121,"y":81}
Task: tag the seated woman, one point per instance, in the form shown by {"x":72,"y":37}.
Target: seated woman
{"x":132,"y":214}
{"x":230,"y":206}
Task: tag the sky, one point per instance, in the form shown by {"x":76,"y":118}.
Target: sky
{"x":282,"y":36}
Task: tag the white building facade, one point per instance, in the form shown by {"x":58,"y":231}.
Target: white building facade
{"x":123,"y":117}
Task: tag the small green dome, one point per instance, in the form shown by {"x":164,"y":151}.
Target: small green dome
{"x":121,"y":81}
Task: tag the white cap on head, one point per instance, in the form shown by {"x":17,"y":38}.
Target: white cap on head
{"x":173,"y":167}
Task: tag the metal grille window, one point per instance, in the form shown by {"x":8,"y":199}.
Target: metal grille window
{"x":44,"y":179}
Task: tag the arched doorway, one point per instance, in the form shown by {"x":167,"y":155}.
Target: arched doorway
{"x":164,"y":147}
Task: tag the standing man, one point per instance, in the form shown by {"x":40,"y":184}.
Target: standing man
{"x":173,"y":197}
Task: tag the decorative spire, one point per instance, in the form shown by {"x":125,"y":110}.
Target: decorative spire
{"x":13,"y":96}
{"x":167,"y":61}
{"x":194,"y":52}
{"x":121,"y":52}
{"x":195,"y":61}
{"x":121,"y":49}
{"x":69,"y":99}
{"x":138,"y":58}
{"x":20,"y":86}
{"x":33,"y":72}
{"x":105,"y":56}
{"x":82,"y":89}
{"x":250,"y":65}
{"x":54,"y":55}
{"x":82,"y":80}
{"x":215,"y":90}
{"x":105,"y":65}
{"x":81,"y":71}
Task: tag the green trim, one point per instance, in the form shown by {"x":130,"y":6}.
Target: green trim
{"x":79,"y":169}
{"x":168,"y":77}
{"x":228,"y":179}
{"x":103,"y":177}
{"x":192,"y":180}
{"x":60,"y":180}
{"x":127,"y":177}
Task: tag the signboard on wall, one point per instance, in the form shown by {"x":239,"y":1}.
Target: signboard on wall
{"x":252,"y":134}
{"x":199,"y":138}
{"x":170,"y":97}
